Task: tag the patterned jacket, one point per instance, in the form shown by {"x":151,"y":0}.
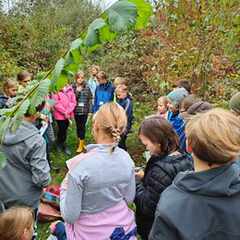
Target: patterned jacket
{"x":84,"y":100}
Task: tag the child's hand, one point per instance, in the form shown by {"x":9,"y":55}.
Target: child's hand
{"x":139,"y":174}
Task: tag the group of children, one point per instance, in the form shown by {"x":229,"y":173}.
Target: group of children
{"x":189,"y":188}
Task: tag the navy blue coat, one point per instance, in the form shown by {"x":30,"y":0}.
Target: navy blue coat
{"x":200,"y":206}
{"x":104,"y":93}
{"x":127,"y":104}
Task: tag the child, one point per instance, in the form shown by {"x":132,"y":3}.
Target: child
{"x":165,"y":163}
{"x":174,"y":99}
{"x":16,"y":224}
{"x":125,"y":101}
{"x":204,"y":204}
{"x":23,"y":79}
{"x":65,"y":103}
{"x":234,"y":104}
{"x":100,"y":184}
{"x":83,"y":107}
{"x":104,"y":92}
{"x":162,"y":108}
{"x":184,"y":84}
{"x":117,"y":82}
{"x":27,"y":170}
{"x":9,"y":91}
{"x":92,"y":82}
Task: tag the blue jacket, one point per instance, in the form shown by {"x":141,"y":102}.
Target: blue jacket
{"x":104,"y":93}
{"x":179,"y":127}
{"x":200,"y":206}
{"x":127,"y":105}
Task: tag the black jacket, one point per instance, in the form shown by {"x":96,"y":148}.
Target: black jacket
{"x":159,"y":174}
{"x":200,"y":206}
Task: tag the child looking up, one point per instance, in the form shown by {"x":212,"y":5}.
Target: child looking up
{"x":100,"y":183}
{"x":83,"y":107}
{"x":9,"y":91}
{"x":65,"y":103}
{"x":125,"y":101}
{"x":165,"y":163}
{"x":16,"y":224}
{"x":174,"y":99}
{"x":23,"y":79}
{"x":162,"y":108}
{"x":104,"y":92}
{"x":204,"y":204}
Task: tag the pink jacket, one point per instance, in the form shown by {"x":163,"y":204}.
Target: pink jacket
{"x":65,"y":102}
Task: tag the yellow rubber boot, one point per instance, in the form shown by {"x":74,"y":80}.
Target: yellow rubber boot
{"x":81,"y":147}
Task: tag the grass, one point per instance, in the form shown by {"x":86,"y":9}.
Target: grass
{"x":134,"y":147}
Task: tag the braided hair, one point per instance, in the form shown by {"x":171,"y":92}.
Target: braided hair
{"x":112,"y":120}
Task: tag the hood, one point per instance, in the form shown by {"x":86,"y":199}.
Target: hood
{"x":25,"y":131}
{"x":221,"y":181}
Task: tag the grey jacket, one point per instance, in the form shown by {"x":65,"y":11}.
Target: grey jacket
{"x":100,"y":181}
{"x":27,"y":170}
{"x":200,"y":206}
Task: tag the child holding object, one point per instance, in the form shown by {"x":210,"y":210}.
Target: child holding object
{"x":17,"y":224}
{"x":204,"y":204}
{"x":83,"y":108}
{"x":157,"y":134}
{"x":100,"y":183}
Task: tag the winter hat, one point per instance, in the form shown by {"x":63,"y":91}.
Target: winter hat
{"x":234,"y":103}
{"x":177,"y":95}
{"x":199,"y":107}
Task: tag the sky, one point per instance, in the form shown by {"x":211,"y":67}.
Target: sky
{"x":103,"y":3}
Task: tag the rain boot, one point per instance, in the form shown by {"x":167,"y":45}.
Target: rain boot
{"x":81,"y":147}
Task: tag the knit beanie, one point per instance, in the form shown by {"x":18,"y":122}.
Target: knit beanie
{"x":199,"y":107}
{"x":177,"y":95}
{"x":234,"y":103}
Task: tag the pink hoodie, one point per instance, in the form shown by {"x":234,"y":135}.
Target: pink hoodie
{"x":65,"y":102}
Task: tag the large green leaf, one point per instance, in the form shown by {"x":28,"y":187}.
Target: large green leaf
{"x":121,"y":16}
{"x":92,"y":37}
{"x":41,"y":92}
{"x":61,"y":82}
{"x":58,"y":69}
{"x":76,"y":44}
{"x":144,"y":12}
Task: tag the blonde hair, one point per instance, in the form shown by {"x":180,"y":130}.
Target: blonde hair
{"x":9,"y":83}
{"x":164,"y":100}
{"x":120,"y":81}
{"x":121,"y":87}
{"x":14,"y":221}
{"x":79,"y":73}
{"x":95,"y":67}
{"x":112,"y":121}
{"x":214,"y":136}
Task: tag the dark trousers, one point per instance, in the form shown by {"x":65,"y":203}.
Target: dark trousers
{"x":81,"y":121}
{"x":62,"y":130}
